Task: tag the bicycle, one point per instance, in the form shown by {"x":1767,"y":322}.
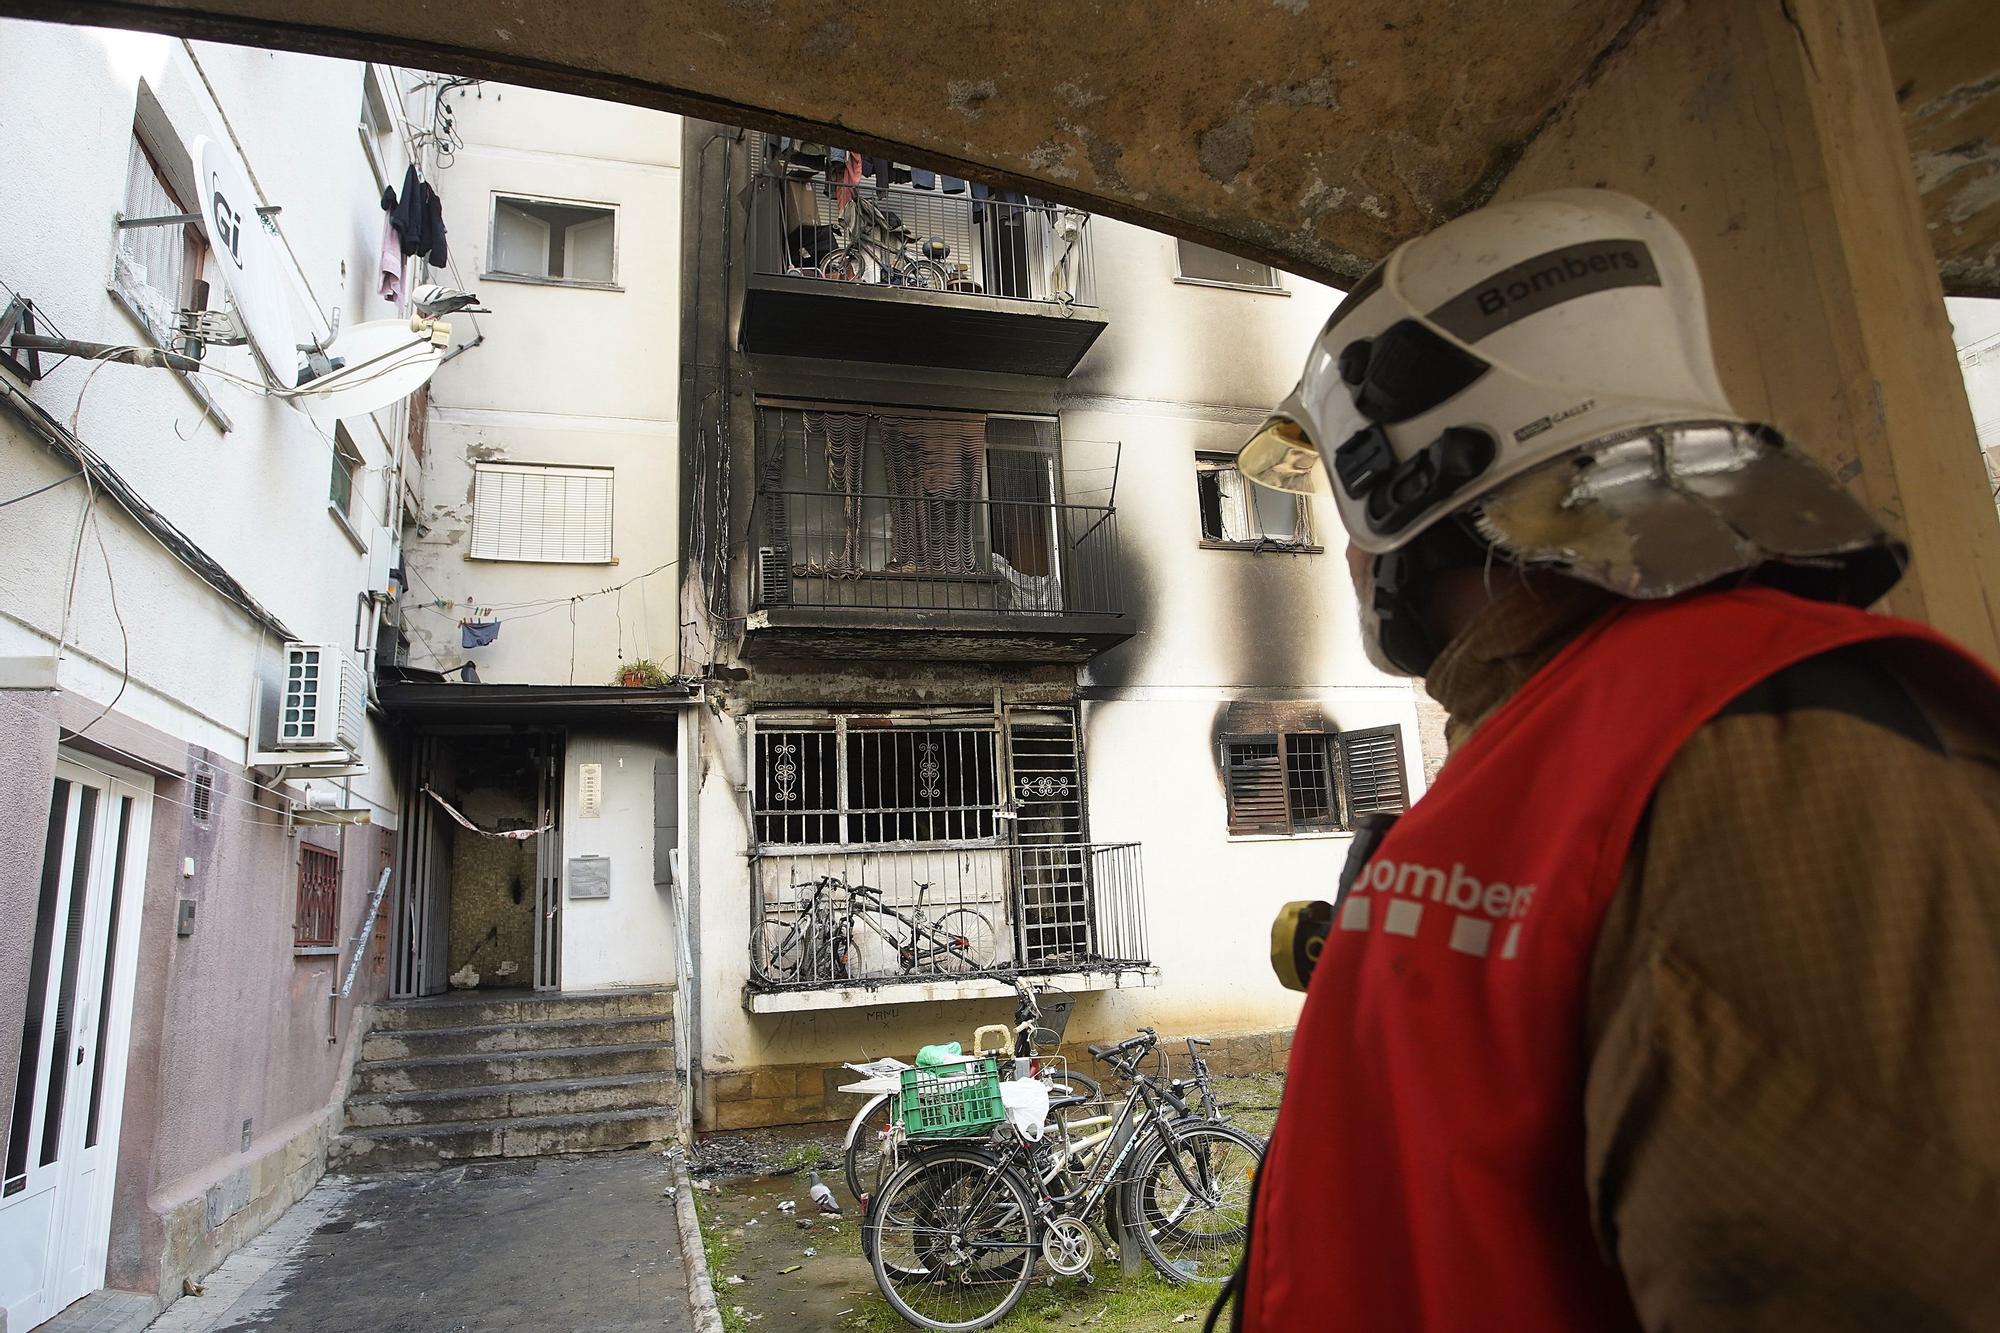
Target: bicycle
{"x":897,"y":266}
{"x":959,"y":1227}
{"x":868,"y":1147}
{"x":819,"y":944}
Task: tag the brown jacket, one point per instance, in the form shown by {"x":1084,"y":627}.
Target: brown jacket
{"x":1793,"y":1036}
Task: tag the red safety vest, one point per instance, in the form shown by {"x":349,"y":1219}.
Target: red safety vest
{"x":1427,"y":1171}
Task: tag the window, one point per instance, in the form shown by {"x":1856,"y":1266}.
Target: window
{"x":1303,"y":781}
{"x":1237,"y":512}
{"x":346,"y":463}
{"x":553,"y":241}
{"x":156,"y":266}
{"x":870,"y":780}
{"x":1201,"y":264}
{"x":203,"y":799}
{"x":376,"y":128}
{"x":317,"y":920}
{"x":555,"y":515}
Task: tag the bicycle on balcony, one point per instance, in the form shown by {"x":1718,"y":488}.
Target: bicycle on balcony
{"x":881,"y":243}
{"x":821,"y":943}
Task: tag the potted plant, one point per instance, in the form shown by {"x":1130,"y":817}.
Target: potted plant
{"x":640,"y":673}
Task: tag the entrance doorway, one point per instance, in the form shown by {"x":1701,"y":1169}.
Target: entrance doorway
{"x":62,"y":1140}
{"x":476,"y":909}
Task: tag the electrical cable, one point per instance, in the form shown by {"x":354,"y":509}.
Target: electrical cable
{"x":29,"y":495}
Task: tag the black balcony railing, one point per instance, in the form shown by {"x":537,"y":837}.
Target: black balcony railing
{"x":835,"y":916}
{"x":920,"y":241}
{"x":910,"y":552}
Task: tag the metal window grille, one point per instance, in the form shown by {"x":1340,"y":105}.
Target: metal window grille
{"x":317,"y":920}
{"x":868,"y":784}
{"x":558,"y":515}
{"x":201,"y":801}
{"x":1309,"y":783}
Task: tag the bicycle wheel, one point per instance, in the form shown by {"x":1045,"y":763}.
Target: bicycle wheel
{"x":782,"y":950}
{"x":843,"y":266}
{"x":1194,"y":1235}
{"x":925,"y":275}
{"x":864,"y":1146}
{"x":954,"y":1239}
{"x":1078,"y":1085}
{"x":960,"y":941}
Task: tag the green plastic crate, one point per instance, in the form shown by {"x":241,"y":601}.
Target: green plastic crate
{"x":952,"y":1101}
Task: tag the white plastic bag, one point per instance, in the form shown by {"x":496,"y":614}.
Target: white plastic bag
{"x":1027,"y":1103}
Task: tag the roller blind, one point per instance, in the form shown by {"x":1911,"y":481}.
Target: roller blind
{"x":559,"y":515}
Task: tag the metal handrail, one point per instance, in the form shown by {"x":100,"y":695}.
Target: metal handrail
{"x":361,"y":939}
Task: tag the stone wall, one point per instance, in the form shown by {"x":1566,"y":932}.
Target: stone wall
{"x":803,"y":1094}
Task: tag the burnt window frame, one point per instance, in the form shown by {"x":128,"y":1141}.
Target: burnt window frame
{"x":1342,"y":751}
{"x":1306,"y":541}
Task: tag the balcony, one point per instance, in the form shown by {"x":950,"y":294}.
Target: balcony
{"x":858,"y":575}
{"x":857,"y":926}
{"x":917,"y":277}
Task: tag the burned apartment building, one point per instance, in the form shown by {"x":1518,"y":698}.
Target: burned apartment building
{"x":1008,"y":671}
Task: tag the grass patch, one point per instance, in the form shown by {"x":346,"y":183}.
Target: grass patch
{"x":715,"y":1245}
{"x":806,"y":1157}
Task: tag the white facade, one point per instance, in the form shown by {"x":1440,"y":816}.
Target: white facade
{"x":555,"y":437}
{"x":570,"y":375}
{"x":124,"y":672}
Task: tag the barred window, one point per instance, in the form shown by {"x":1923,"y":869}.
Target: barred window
{"x":317,"y":919}
{"x":1299,"y":782}
{"x":867,"y":781}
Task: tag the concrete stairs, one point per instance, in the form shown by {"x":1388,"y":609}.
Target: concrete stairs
{"x":519,"y":1074}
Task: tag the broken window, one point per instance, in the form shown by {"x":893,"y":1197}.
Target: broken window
{"x":1237,"y":512}
{"x":1205,"y":264}
{"x":873,"y":780}
{"x":1302,"y":781}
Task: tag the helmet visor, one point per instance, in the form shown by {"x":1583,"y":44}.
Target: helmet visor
{"x":1282,"y":456}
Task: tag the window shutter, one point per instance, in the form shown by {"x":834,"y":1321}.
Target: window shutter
{"x":1253,"y":777}
{"x":559,"y":515}
{"x":1372,"y":763}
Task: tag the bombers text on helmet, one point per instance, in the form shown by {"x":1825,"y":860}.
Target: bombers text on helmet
{"x":1542,"y":369}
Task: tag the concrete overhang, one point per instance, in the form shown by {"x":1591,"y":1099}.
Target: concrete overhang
{"x":523,"y":705}
{"x":1308,"y":133}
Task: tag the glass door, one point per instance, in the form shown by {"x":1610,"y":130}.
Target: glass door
{"x":62,"y":1140}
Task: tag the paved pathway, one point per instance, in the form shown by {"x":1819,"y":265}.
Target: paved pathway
{"x":582,"y":1244}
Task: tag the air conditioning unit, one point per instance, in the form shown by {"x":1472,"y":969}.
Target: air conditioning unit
{"x":324,"y":699}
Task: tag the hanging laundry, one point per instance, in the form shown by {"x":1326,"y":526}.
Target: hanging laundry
{"x":850,"y":176}
{"x":390,"y":278}
{"x":477,"y":633}
{"x":419,"y":219}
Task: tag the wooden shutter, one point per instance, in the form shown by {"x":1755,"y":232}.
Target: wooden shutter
{"x":1371,"y":761}
{"x":1253,"y":778}
{"x":559,"y":515}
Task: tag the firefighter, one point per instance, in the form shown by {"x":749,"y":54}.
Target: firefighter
{"x":1675,"y":1002}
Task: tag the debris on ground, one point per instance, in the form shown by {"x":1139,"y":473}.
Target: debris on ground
{"x":803,"y":1223}
{"x":788,"y":1206}
{"x":190,"y":1287}
{"x":735,"y":1279}
{"x":811,"y":1252}
{"x":792,"y":1269}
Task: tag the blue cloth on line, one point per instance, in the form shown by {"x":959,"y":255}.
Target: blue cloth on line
{"x":477,"y":635}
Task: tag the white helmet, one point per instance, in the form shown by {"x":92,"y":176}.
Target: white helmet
{"x":1542,"y":370}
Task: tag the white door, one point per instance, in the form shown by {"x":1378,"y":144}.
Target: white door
{"x":62,"y":1142}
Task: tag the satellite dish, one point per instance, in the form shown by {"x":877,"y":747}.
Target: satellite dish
{"x":381,"y":361}
{"x":249,"y":260}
